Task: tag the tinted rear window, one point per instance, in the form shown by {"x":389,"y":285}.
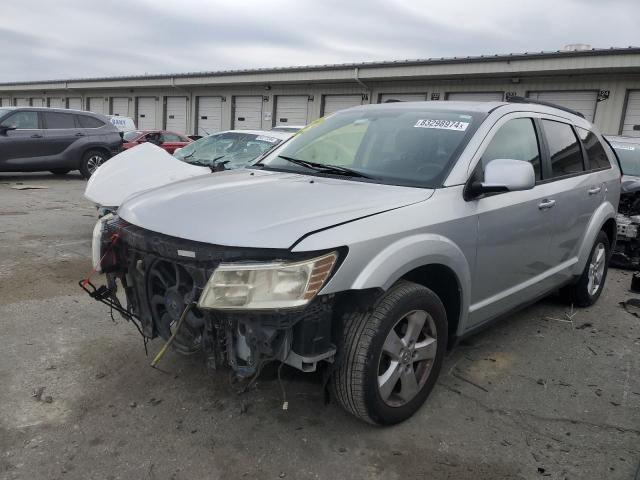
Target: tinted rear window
{"x":59,"y":120}
{"x":595,"y":151}
{"x":89,"y":122}
{"x":564,"y":149}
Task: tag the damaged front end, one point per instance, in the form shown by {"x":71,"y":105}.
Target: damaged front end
{"x":626,"y":253}
{"x":240,"y":307}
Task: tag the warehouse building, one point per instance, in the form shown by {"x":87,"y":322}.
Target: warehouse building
{"x":602,"y":84}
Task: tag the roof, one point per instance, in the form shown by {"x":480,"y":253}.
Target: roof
{"x":266,"y":133}
{"x":621,"y":139}
{"x":340,"y":66}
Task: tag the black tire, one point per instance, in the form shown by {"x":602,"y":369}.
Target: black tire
{"x":355,"y":381}
{"x":60,"y":171}
{"x":89,"y":159}
{"x":578,"y":293}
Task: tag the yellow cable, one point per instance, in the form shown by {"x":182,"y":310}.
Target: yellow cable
{"x":166,"y":346}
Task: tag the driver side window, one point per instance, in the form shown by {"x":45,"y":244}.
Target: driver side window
{"x":22,"y":120}
{"x":515,"y":140}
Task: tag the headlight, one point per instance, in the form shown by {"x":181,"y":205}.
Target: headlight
{"x":266,"y":285}
{"x":96,"y":242}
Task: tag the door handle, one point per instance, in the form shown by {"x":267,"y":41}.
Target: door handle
{"x":546,"y":204}
{"x":35,"y":135}
{"x":79,"y":134}
{"x":595,"y":190}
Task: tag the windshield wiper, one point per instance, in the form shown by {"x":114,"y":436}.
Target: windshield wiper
{"x":208,"y":163}
{"x":321,"y":167}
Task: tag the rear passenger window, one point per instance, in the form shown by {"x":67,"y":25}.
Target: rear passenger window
{"x":564,"y":149}
{"x":516,"y":140}
{"x":59,"y":120}
{"x":595,"y":151}
{"x":89,"y":122}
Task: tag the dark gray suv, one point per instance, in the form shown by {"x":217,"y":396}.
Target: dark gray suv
{"x":41,"y":139}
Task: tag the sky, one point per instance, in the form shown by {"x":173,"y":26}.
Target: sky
{"x":69,"y":39}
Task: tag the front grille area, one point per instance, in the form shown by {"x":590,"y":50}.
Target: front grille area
{"x":163,"y":274}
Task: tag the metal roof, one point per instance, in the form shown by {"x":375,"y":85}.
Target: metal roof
{"x":341,"y":66}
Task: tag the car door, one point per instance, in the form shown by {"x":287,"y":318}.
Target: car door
{"x":571,"y":191}
{"x":514,"y":230}
{"x":21,"y":140}
{"x":61,"y":131}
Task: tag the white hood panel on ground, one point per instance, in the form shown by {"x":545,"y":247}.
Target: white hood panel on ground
{"x":139,"y":168}
{"x":259,"y":208}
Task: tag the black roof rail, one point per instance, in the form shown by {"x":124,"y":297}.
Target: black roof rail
{"x":517,"y":99}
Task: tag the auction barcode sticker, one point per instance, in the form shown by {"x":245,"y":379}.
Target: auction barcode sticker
{"x":266,"y":139}
{"x":442,"y":124}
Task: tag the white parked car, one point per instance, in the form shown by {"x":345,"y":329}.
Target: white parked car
{"x":124,"y":124}
{"x":148,"y":166}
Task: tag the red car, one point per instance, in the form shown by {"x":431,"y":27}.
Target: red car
{"x":170,"y":141}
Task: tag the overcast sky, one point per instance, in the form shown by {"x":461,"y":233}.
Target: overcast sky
{"x":87,"y":38}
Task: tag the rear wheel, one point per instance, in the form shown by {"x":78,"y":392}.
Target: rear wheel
{"x":586,"y":291}
{"x":60,"y":171}
{"x":90,"y":162}
{"x":392,"y":355}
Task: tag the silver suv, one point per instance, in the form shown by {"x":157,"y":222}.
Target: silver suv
{"x":369,"y":243}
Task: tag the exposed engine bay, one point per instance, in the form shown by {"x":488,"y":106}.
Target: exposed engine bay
{"x":162,"y":279}
{"x":626,"y":253}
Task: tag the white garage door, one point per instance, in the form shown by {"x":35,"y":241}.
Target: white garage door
{"x":209,"y":115}
{"x":176,"y":120}
{"x":146,"y":113}
{"x":631,"y":122}
{"x":74,"y":103}
{"x":120,"y":106}
{"x":22,"y":102}
{"x":56,"y":102}
{"x":404,"y":97}
{"x":96,"y":104}
{"x":475,"y":96}
{"x":247,"y":113}
{"x":291,"y":109}
{"x":580,"y":101}
{"x":333,"y":103}
{"x":5,"y":102}
{"x":37,"y":102}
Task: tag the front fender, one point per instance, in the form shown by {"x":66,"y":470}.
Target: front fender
{"x":604,"y":212}
{"x":397,"y":259}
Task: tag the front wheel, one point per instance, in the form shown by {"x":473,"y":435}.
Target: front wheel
{"x":90,"y":162}
{"x":586,"y":291}
{"x":392,"y":355}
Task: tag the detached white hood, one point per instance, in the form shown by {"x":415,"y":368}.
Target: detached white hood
{"x":260,"y":208}
{"x":137,"y":169}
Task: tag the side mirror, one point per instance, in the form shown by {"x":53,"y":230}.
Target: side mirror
{"x":505,"y":175}
{"x":5,"y":128}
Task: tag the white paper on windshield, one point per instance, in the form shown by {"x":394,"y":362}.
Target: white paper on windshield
{"x":442,"y":124}
{"x":267,"y":139}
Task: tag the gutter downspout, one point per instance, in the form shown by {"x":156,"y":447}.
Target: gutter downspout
{"x":355,"y":77}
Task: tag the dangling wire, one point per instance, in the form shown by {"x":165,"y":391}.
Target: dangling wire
{"x":285,"y":404}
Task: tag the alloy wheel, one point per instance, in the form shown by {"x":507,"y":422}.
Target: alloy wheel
{"x":407,"y":358}
{"x":596,"y":269}
{"x":93,"y":162}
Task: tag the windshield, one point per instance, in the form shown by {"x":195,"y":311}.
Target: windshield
{"x":235,"y":148}
{"x":400,"y":145}
{"x":130,"y":136}
{"x":629,"y":156}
